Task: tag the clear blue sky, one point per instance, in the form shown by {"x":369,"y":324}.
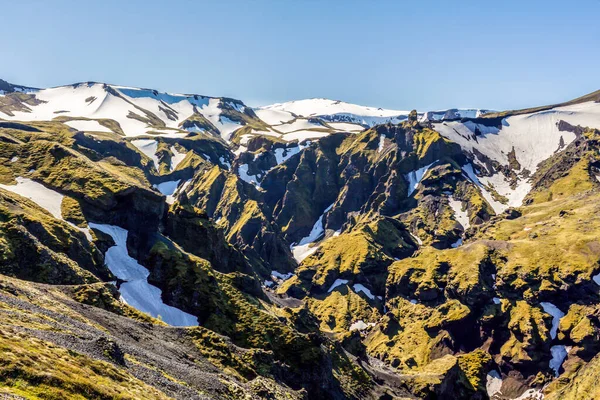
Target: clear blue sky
{"x":394,"y":54}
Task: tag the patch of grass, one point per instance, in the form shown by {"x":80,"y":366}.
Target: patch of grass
{"x":35,"y":369}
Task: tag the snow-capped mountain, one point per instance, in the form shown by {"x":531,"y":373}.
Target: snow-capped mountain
{"x":453,"y":114}
{"x":325,"y":249}
{"x":334,"y":111}
{"x":519,"y":142}
{"x":137,"y":112}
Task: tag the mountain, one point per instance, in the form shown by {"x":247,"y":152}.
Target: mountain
{"x":157,"y":245}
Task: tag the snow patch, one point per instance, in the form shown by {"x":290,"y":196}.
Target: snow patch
{"x":176,"y":158}
{"x":48,"y":199}
{"x":168,"y":189}
{"x":414,"y":178}
{"x":274,"y":117}
{"x":303,"y":249}
{"x":360,"y":288}
{"x":559,"y":353}
{"x":496,"y":205}
{"x":556,"y":316}
{"x":300,"y":252}
{"x":87,"y":126}
{"x":136,"y":291}
{"x":461,"y":216}
{"x":297,"y":125}
{"x":456,"y":244}
{"x":360,"y":325}
{"x":149,"y":148}
{"x":282,"y":155}
{"x":493,"y":383}
{"x":381,"y":143}
{"x":338,"y":282}
{"x":283,"y":277}
{"x":243,"y":174}
{"x":346,"y":127}
{"x":339,"y":111}
{"x":224,"y":162}
{"x":419,"y":241}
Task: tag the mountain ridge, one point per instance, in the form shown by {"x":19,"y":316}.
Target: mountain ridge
{"x":323,"y":256}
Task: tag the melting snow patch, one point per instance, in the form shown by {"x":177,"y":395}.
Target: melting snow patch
{"x":281,"y":154}
{"x":148,"y":147}
{"x":360,"y":325}
{"x":360,"y":288}
{"x":136,"y":291}
{"x":177,"y":157}
{"x":168,"y":188}
{"x":227,"y":127}
{"x":206,"y":157}
{"x":48,"y":199}
{"x":303,"y":249}
{"x":414,"y":178}
{"x":496,"y":205}
{"x":243,"y":173}
{"x":461,"y":216}
{"x":556,"y":316}
{"x":419,"y":241}
{"x":14,"y":159}
{"x":283,"y":277}
{"x":493,"y":383}
{"x":381,"y":143}
{"x":224,"y":162}
{"x":496,"y":300}
{"x":559,"y":353}
{"x":346,"y":127}
{"x":456,"y":244}
{"x":413,"y":301}
{"x":338,"y":282}
{"x":88,"y":126}
{"x":300,"y":252}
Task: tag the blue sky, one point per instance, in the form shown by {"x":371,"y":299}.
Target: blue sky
{"x":392,"y":54}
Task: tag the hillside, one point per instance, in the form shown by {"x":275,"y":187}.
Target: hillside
{"x":157,"y":245}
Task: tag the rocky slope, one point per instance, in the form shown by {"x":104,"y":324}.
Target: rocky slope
{"x":185,"y":246}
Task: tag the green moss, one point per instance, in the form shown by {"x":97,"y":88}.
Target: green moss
{"x":219,"y":351}
{"x":36,"y":246}
{"x":408,"y":335}
{"x":425,"y":139}
{"x":475,"y":365}
{"x":368,"y":248}
{"x":528,"y":331}
{"x":71,"y":211}
{"x":577,"y":325}
{"x":578,"y":180}
{"x":340,"y":309}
